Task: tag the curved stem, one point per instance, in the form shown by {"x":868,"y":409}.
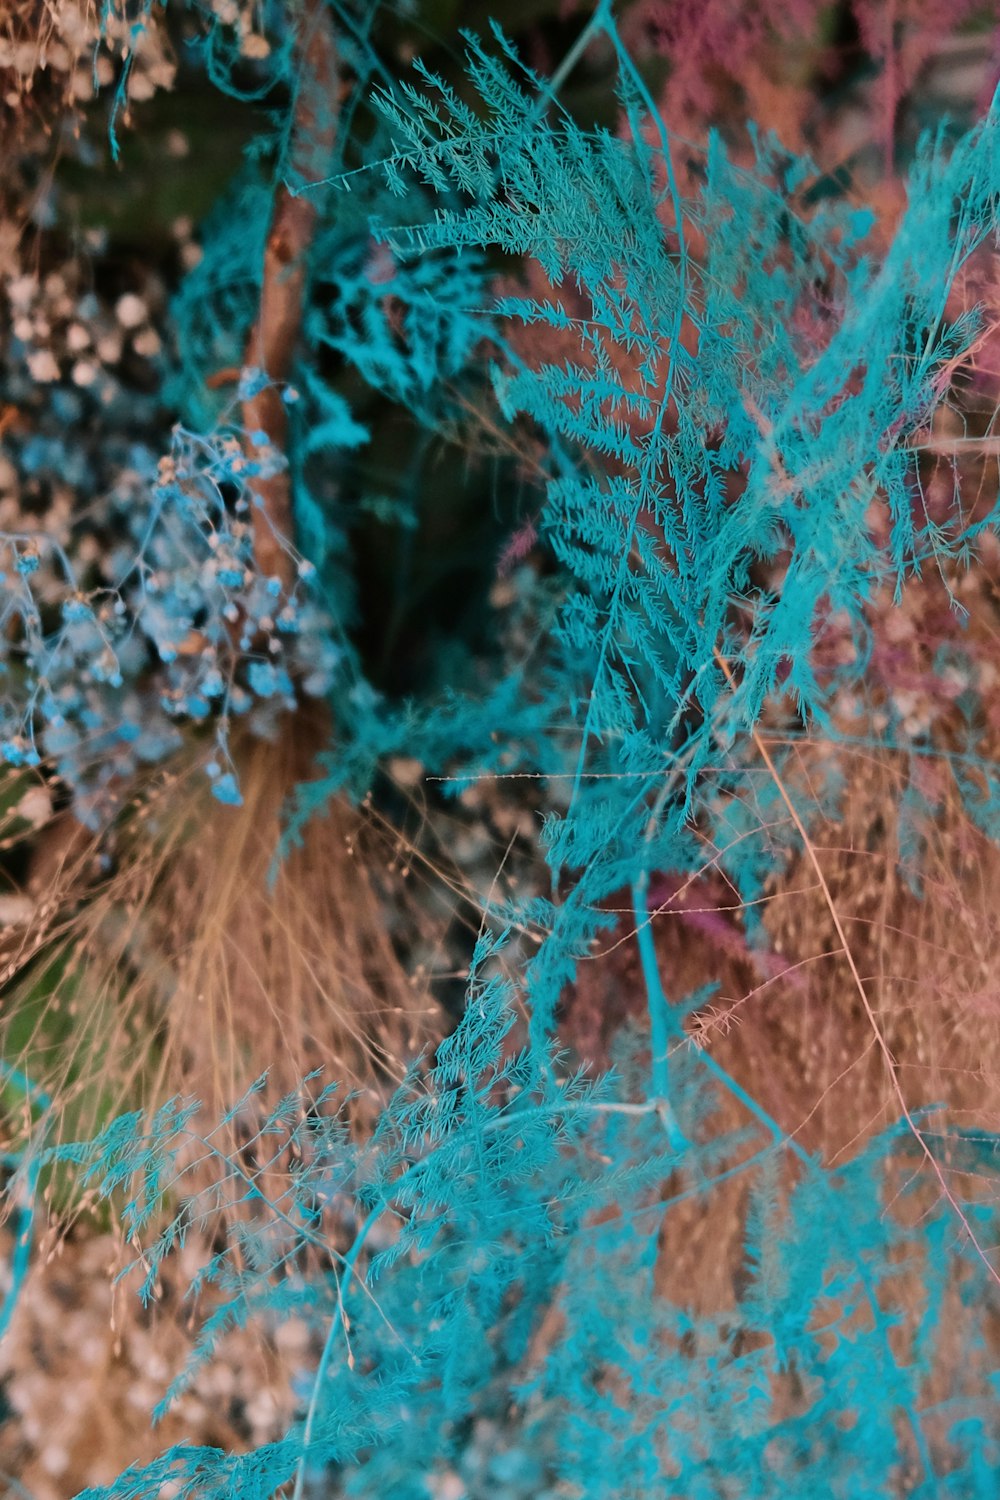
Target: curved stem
{"x":271,"y":345}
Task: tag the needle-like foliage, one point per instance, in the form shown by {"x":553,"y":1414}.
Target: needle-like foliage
{"x":727,"y":395}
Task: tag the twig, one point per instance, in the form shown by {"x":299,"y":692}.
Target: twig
{"x":988,"y":445}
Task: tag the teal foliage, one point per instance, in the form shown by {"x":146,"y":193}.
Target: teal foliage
{"x":494,"y":1193}
{"x":728,"y":395}
{"x":715,"y":460}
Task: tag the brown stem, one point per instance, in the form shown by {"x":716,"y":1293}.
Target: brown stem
{"x":271,"y":345}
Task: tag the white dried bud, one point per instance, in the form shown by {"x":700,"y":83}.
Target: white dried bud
{"x":42,"y":365}
{"x":130,"y":310}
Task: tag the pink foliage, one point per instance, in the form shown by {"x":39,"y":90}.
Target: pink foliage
{"x":516,"y":549}
{"x":721,"y":51}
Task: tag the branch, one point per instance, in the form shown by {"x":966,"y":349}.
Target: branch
{"x":271,"y":345}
